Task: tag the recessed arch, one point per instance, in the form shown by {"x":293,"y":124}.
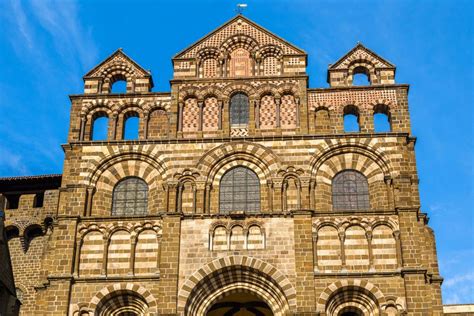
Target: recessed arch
{"x":210,"y":282}
{"x":343,"y":293}
{"x":111,"y":290}
{"x":246,"y":153}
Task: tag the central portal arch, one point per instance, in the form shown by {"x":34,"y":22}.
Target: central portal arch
{"x":237,"y":285}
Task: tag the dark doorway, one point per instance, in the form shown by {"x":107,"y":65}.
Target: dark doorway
{"x":240,"y":304}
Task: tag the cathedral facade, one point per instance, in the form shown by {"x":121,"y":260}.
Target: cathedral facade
{"x":240,"y":192}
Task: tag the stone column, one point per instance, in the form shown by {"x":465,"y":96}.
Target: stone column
{"x":251,"y":124}
{"x":158,"y":255}
{"x":342,"y":238}
{"x":179,"y":198}
{"x":277,"y":194}
{"x":201,"y":107}
{"x":113,"y":126}
{"x":133,"y":241}
{"x":180,"y":116}
{"x":220,"y":103}
{"x":297,"y":101}
{"x":315,"y":251}
{"x":90,"y":193}
{"x":368,"y":235}
{"x":83,"y":128}
{"x":106,"y":240}
{"x":172,"y":196}
{"x":207,"y":207}
{"x":396,"y":236}
{"x":270,"y":195}
{"x":145,"y":125}
{"x":200,"y":197}
{"x":226,"y":118}
{"x":78,"y":256}
{"x":257,"y":113}
{"x":277,"y":104}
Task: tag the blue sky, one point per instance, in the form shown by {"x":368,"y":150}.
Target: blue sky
{"x":47,"y":46}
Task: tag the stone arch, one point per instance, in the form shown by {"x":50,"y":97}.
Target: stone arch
{"x":288,"y":88}
{"x":156,"y":162}
{"x":267,"y":89}
{"x":270,"y":50}
{"x":368,"y":67}
{"x":136,"y":288}
{"x":234,"y":88}
{"x":197,"y":293}
{"x":212,"y":91}
{"x":212,"y":161}
{"x":108,"y":173}
{"x":363,"y":158}
{"x":188,"y":92}
{"x":239,"y":41}
{"x":324,"y":153}
{"x":354,"y":286}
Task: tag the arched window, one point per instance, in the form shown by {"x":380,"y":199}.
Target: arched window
{"x":100,"y":126}
{"x":351,"y":119}
{"x":130,"y":197}
{"x":360,"y":77}
{"x":239,"y":191}
{"x":382,"y":120}
{"x":350,"y":191}
{"x":131,"y":124}
{"x":239,"y":109}
{"x":119,"y":86}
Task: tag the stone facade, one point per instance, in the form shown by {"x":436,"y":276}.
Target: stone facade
{"x":239,"y":100}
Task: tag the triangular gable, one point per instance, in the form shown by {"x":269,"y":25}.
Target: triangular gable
{"x":117,"y":57}
{"x":237,"y":26}
{"x":360,"y":52}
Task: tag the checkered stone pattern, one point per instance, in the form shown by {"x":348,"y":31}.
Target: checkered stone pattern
{"x":210,"y":115}
{"x":267,"y":112}
{"x":209,"y":68}
{"x":288,"y":112}
{"x":270,"y":66}
{"x":342,"y":98}
{"x":191,"y":115}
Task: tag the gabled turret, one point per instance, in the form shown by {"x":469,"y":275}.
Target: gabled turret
{"x":117,"y":67}
{"x":361,"y":60}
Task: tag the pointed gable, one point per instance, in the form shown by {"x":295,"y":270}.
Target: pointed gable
{"x":360,"y":59}
{"x":239,"y":25}
{"x":118,"y":66}
{"x":361,"y":53}
{"x":118,"y":59}
{"x":254,"y":50}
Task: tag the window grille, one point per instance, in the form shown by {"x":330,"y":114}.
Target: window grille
{"x":130,"y":197}
{"x":239,"y":110}
{"x":239,"y":191}
{"x":350,"y":191}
